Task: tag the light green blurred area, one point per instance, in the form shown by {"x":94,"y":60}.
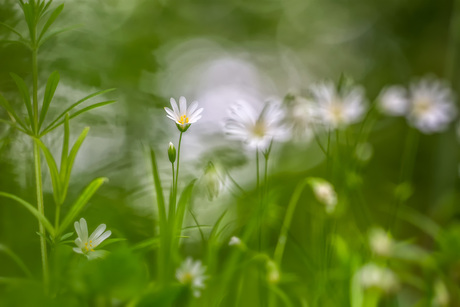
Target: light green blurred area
{"x":217,"y":52}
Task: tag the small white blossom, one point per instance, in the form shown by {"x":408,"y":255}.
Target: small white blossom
{"x":377,"y":277}
{"x":380,"y":242}
{"x":234,"y":241}
{"x":336,"y":109}
{"x":192,"y":273}
{"x":257,"y":130}
{"x":301,"y":115}
{"x":213,"y":181}
{"x":394,"y":101}
{"x":432,"y":106}
{"x":324,"y":193}
{"x":87,"y":246}
{"x":183,"y":116}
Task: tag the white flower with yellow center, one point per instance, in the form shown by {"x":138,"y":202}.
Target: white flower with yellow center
{"x":183,"y":116}
{"x":336,"y":109}
{"x":256,"y":130}
{"x":87,"y":245}
{"x":432,"y":106}
{"x":192,"y":274}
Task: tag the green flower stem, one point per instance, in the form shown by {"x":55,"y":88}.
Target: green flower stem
{"x":41,"y":209}
{"x":57,"y":215}
{"x":35,"y":90}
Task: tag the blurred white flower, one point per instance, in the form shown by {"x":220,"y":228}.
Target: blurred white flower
{"x":377,"y":277}
{"x":87,"y":246}
{"x":234,"y":241}
{"x":183,"y":116}
{"x":301,"y":115}
{"x":324,"y":193}
{"x":432,"y":105}
{"x":394,"y":101}
{"x":213,"y":181}
{"x":256,"y":130}
{"x":380,"y":242}
{"x":336,"y":109}
{"x":192,"y":273}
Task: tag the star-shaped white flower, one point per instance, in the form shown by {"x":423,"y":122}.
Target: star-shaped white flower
{"x":192,"y":273}
{"x":87,"y":245}
{"x":183,"y":116}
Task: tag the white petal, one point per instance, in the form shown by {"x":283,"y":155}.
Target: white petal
{"x":192,"y":108}
{"x":174,"y":105}
{"x":97,"y":254}
{"x":83,"y":230}
{"x":77,"y":250}
{"x":171,"y":113}
{"x":182,"y":106}
{"x":96,"y":233}
{"x":104,"y":236}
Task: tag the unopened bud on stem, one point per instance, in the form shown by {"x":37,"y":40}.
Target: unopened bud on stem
{"x":172,"y":152}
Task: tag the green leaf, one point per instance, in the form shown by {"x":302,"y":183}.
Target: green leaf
{"x":181,"y":206}
{"x":12,"y":124}
{"x":66,"y":170}
{"x":11,"y":29}
{"x":55,"y":179}
{"x":57,"y":32}
{"x":32,"y":210}
{"x":110,"y":241}
{"x":6,"y":105}
{"x":75,"y":105}
{"x":81,"y":202}
{"x":159,"y":192}
{"x":51,"y":86}
{"x":25,"y":95}
{"x":50,"y":20}
{"x":65,"y":146}
{"x":16,"y":259}
{"x":67,"y":235}
{"x":94,"y":106}
{"x":153,"y":243}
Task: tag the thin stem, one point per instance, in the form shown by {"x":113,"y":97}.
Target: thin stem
{"x":41,"y":209}
{"x":259,"y":222}
{"x":35,"y":90}
{"x":56,"y":218}
{"x":178,"y":160}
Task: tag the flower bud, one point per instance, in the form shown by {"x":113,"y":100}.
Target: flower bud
{"x":172,"y":152}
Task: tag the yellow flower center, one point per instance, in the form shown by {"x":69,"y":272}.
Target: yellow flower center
{"x":259,"y":129}
{"x":89,"y":247}
{"x":183,"y":120}
{"x":187,"y":278}
{"x":422,"y":106}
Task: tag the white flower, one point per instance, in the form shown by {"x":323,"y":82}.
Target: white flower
{"x":432,"y":106}
{"x":183,"y":116}
{"x":337,"y":109}
{"x":394,"y":101}
{"x":255,"y":130}
{"x":213,"y":181}
{"x":191,"y":273}
{"x":234,"y":241}
{"x":324,"y":193}
{"x":374,"y":276}
{"x":87,"y":246}
{"x":301,"y":114}
{"x":380,"y":242}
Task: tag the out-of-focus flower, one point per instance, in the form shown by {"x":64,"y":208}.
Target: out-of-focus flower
{"x":213,"y":181}
{"x":432,"y":105}
{"x":192,"y":274}
{"x":336,"y":109}
{"x":256,"y":130}
{"x":301,"y":115}
{"x":441,"y":295}
{"x":377,"y":277}
{"x":380,"y":242}
{"x":273,"y":272}
{"x":171,"y":152}
{"x":234,"y":241}
{"x":183,"y":116}
{"x":324,"y":193}
{"x":87,"y":246}
{"x":394,"y":101}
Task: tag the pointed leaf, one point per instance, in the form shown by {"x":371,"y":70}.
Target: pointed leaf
{"x":11,"y":29}
{"x":81,"y":202}
{"x":57,"y":32}
{"x":50,"y":20}
{"x":75,"y":105}
{"x":55,"y":179}
{"x":65,"y":147}
{"x":6,"y":105}
{"x":51,"y":86}
{"x":25,"y":95}
{"x":159,"y":192}
{"x":67,"y":169}
{"x":32,"y":210}
{"x":16,"y":259}
{"x":110,"y":241}
{"x":182,"y":205}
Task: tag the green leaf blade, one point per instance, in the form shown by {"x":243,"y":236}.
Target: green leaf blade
{"x":51,"y":86}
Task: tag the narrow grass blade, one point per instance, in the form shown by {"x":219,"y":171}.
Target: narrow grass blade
{"x":65,"y":147}
{"x":6,"y":105}
{"x":25,"y":94}
{"x":158,"y":191}
{"x":51,"y":20}
{"x":16,"y":259}
{"x":55,"y":179}
{"x":32,"y":210}
{"x":81,"y":202}
{"x":57,"y":32}
{"x":181,"y":206}
{"x":51,"y":86}
{"x":11,"y":29}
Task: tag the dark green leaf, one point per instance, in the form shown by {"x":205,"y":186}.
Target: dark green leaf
{"x":51,"y":86}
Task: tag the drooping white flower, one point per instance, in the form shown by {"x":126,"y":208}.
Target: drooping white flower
{"x":183,"y":116}
{"x":324,"y":193}
{"x":432,"y":105}
{"x":87,"y":245}
{"x":336,"y":109}
{"x":192,"y":273}
{"x":256,"y":130}
{"x":380,"y":242}
{"x":213,"y":181}
{"x":394,"y":100}
{"x":374,"y":276}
